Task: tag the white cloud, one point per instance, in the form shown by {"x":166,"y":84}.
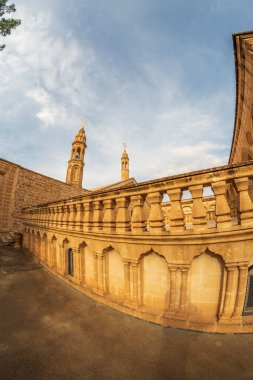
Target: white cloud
{"x":51,"y":79}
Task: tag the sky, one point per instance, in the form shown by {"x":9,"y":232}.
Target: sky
{"x":157,"y":75}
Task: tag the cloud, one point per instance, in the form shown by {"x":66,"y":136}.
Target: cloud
{"x":53,"y":72}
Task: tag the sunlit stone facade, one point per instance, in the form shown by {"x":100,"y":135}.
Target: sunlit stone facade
{"x":146,"y":251}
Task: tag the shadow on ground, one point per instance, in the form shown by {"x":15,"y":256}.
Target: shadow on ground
{"x":50,"y":331}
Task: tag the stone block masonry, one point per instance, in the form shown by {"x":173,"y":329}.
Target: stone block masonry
{"x":20,"y":187}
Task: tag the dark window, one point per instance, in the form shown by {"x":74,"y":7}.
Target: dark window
{"x":248,"y":307}
{"x":70,"y":262}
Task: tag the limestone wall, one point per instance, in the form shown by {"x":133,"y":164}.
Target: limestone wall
{"x":242,"y":145}
{"x":20,"y":187}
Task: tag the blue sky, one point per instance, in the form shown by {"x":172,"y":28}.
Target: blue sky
{"x":156,"y":74}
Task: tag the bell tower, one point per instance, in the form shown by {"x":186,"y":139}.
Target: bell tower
{"x":124,"y":165}
{"x":76,"y":162}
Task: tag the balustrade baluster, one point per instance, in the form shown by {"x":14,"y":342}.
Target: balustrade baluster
{"x":72,"y":215}
{"x":176,"y":214}
{"x":245,"y":202}
{"x":79,"y":217}
{"x":156,"y":216}
{"x":222,"y":209}
{"x":138,"y":220}
{"x":123,"y":215}
{"x":198,"y":210}
{"x":97,"y":216}
{"x":109,"y":215}
{"x":88,"y":217}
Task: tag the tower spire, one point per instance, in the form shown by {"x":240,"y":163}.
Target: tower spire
{"x":76,"y":162}
{"x":124,"y":164}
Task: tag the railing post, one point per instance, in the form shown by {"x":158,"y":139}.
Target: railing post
{"x":138,"y":220}
{"x":156,"y":216}
{"x":72,"y":215}
{"x":245,"y":202}
{"x":87,"y":220}
{"x":109,"y":215}
{"x":222,"y":209}
{"x":198,"y":210}
{"x":60,"y":222}
{"x":123,"y":215}
{"x":97,"y":216}
{"x":79,"y":217}
{"x":176,"y":214}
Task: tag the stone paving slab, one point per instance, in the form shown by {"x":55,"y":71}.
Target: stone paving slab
{"x":50,"y":331}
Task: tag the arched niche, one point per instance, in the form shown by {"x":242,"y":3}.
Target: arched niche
{"x":206,"y":283}
{"x":114,"y":273}
{"x":154,"y":280}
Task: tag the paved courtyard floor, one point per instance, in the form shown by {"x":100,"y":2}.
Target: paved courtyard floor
{"x":50,"y":331}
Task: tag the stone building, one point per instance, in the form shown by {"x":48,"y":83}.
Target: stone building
{"x":184,"y":263}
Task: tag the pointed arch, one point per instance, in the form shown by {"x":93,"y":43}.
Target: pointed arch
{"x":114,"y":273}
{"x":206,"y":284}
{"x":154,"y":280}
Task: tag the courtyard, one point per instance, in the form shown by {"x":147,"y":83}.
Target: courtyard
{"x":48,"y":330}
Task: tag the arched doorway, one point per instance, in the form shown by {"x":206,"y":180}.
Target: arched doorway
{"x":70,"y":262}
{"x":248,"y":305}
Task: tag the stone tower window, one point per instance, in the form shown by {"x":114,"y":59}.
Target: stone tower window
{"x":248,"y":306}
{"x":78,"y":154}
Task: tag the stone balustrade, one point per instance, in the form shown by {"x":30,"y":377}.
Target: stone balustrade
{"x":138,"y":209}
{"x":119,"y":247}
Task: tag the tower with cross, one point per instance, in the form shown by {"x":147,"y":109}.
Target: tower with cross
{"x":124,"y":164}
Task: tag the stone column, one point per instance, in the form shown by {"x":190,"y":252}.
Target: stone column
{"x":138,"y":220}
{"x":245,"y":202}
{"x":62,"y":260}
{"x":95,"y":258}
{"x":100,"y":262}
{"x":228,"y":307}
{"x":241,"y":291}
{"x":176,"y":214}
{"x":222,"y":209}
{"x":49,"y":256}
{"x":123,"y":215}
{"x":76,"y":255}
{"x":183,"y":290}
{"x":172,"y":298}
{"x":109,"y":215}
{"x":127,"y":279}
{"x":135,"y":269}
{"x":198,"y":210}
{"x":156,"y":216}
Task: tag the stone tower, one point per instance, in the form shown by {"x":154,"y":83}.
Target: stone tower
{"x":124,"y":165}
{"x":76,"y":162}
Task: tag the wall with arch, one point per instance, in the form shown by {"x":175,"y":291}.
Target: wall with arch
{"x":194,"y":286}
